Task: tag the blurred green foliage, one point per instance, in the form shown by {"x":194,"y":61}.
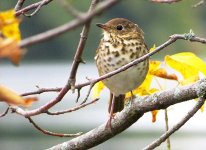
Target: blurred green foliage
{"x":158,"y":21}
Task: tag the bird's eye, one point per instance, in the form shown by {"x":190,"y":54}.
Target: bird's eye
{"x":119,"y":27}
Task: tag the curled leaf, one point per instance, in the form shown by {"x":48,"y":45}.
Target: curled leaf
{"x":162,"y":73}
{"x":12,"y":98}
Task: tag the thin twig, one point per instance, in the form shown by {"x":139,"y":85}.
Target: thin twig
{"x":30,"y":7}
{"x":71,"y":10}
{"x":165,"y":1}
{"x":88,"y":93}
{"x":37,"y":9}
{"x":72,"y":109}
{"x":52,"y":133}
{"x":19,"y":5}
{"x":189,"y":115}
{"x":4,"y":113}
{"x":199,"y":4}
{"x":42,"y":90}
{"x":78,"y":95}
{"x":68,"y":26}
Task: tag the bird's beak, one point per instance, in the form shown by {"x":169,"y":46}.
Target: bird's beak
{"x":103,"y":26}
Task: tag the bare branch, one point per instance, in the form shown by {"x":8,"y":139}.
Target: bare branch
{"x":71,"y":109}
{"x":42,"y":90}
{"x":68,"y":26}
{"x":43,"y":2}
{"x":30,"y":7}
{"x":167,"y":128}
{"x":165,"y":1}
{"x":199,"y":4}
{"x":189,"y":115}
{"x":19,"y":5}
{"x":131,"y":113}
{"x":71,"y":10}
{"x":4,"y":113}
{"x":52,"y":133}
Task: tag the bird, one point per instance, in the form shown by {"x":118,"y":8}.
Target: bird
{"x":122,"y":42}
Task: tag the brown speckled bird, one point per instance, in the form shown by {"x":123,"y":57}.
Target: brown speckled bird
{"x":122,"y":42}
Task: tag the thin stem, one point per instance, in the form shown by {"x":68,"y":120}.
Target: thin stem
{"x":52,"y":133}
{"x":167,"y":128}
{"x":43,"y":2}
{"x":19,"y":5}
{"x":71,"y":109}
{"x":4,"y":113}
{"x":30,"y":7}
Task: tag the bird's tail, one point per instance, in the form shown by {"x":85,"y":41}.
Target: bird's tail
{"x":118,"y":103}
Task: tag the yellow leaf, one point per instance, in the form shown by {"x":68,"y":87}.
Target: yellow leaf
{"x":9,"y":25}
{"x":188,"y":64}
{"x":9,"y":48}
{"x":13,"y":98}
{"x":98,"y":87}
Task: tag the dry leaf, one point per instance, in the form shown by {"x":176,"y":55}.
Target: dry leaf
{"x":13,"y":98}
{"x":10,"y":49}
{"x":154,"y":115}
{"x":162,"y":73}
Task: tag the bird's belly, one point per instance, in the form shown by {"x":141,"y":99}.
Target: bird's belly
{"x":127,"y":80}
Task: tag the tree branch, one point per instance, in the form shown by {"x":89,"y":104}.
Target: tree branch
{"x":30,"y":7}
{"x":68,"y":26}
{"x":167,"y":134}
{"x":42,"y":90}
{"x":199,"y":4}
{"x":43,"y":2}
{"x":80,"y":48}
{"x":132,"y":112}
